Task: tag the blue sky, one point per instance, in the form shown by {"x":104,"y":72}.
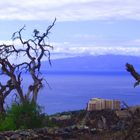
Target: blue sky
{"x":83,"y":27}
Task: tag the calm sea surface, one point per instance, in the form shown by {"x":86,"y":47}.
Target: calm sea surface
{"x":72,"y":91}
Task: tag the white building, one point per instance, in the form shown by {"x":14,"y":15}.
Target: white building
{"x":100,"y":104}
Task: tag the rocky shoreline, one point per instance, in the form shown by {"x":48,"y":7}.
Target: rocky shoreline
{"x":82,"y":125}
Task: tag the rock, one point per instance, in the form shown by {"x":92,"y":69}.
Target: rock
{"x":102,"y":123}
{"x":3,"y":138}
{"x":61,"y":117}
{"x":34,"y":136}
{"x":24,"y":133}
{"x":7,"y":138}
{"x":93,"y":131}
{"x":15,"y":137}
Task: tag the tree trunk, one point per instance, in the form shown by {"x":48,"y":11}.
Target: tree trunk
{"x":20,"y":93}
{"x":2,"y":110}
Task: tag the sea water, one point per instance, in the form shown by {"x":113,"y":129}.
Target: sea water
{"x":67,"y":92}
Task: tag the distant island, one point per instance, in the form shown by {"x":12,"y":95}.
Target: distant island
{"x":113,"y":63}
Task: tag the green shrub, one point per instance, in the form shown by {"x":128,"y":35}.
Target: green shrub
{"x":49,"y":122}
{"x":22,"y":116}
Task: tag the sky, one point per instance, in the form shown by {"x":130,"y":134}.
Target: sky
{"x":83,"y":27}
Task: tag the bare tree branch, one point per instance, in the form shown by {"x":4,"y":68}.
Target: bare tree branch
{"x":133,"y":72}
{"x":34,"y":49}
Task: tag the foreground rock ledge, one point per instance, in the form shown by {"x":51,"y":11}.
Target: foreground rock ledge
{"x":58,"y":134}
{"x":83,"y":125}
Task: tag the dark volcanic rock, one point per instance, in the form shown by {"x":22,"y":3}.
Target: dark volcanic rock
{"x":79,"y":125}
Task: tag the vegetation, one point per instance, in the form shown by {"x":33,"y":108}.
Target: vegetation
{"x":22,"y":116}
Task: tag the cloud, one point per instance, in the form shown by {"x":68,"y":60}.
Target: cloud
{"x":69,"y":10}
{"x":63,"y":50}
{"x":67,"y":49}
{"x":135,"y":51}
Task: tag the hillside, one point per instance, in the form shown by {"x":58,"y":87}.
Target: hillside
{"x":102,"y":63}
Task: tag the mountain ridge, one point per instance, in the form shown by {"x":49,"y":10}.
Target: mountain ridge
{"x":92,"y":63}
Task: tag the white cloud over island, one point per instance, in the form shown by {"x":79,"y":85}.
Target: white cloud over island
{"x":69,"y":10}
{"x":72,"y":51}
{"x":66,"y":49}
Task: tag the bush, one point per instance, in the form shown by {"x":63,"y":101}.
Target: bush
{"x":49,"y":122}
{"x":22,"y":116}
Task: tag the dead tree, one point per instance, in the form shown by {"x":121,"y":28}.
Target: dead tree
{"x":32,"y":49}
{"x":133,"y":131}
{"x":133,"y":72}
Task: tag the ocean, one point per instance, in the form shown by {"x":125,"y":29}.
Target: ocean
{"x":67,"y":92}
